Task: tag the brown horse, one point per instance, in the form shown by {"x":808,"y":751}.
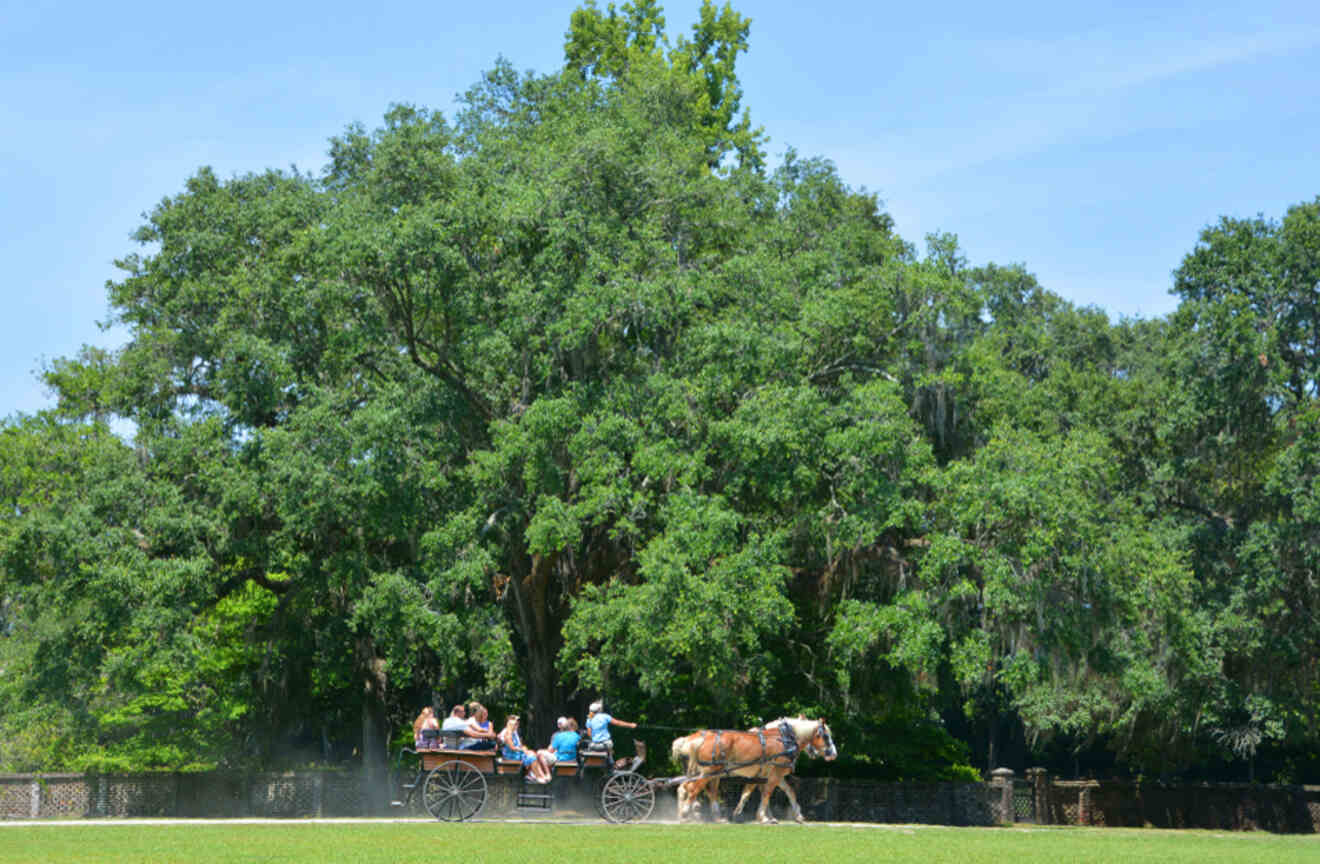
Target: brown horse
{"x":767,"y":753}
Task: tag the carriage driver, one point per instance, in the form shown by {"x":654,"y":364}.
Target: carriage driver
{"x":599,"y":723}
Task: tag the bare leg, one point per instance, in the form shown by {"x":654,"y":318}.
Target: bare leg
{"x":540,"y":769}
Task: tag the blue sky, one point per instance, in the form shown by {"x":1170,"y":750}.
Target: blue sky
{"x":1090,"y":144}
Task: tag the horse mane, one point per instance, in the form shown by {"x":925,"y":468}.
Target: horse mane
{"x":802,"y":728}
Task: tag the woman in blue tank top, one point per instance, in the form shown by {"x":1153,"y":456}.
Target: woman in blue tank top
{"x":512,"y":748}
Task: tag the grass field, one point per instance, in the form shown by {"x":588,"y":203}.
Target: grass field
{"x":494,"y":842}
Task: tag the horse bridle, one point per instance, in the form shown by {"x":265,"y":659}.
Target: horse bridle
{"x":822,"y":731}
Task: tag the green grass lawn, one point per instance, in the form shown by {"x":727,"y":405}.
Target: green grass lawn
{"x":495,"y":842}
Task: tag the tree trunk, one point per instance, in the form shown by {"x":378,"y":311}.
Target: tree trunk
{"x":541,"y":636}
{"x":543,"y":697}
{"x":375,"y":731}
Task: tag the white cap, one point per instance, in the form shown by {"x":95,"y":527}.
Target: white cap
{"x":596,"y":707}
{"x":563,"y":721}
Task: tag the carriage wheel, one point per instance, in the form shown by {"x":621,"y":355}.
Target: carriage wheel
{"x":455,"y":791}
{"x":627,"y":797}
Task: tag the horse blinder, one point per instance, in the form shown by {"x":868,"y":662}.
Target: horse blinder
{"x":826,"y":748}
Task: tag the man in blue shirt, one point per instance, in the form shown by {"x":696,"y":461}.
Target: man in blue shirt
{"x":565,"y":741}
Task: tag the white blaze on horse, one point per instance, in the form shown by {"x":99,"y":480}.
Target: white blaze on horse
{"x":767,"y":754}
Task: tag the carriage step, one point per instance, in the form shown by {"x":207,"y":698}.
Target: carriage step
{"x":533,"y":802}
{"x":397,"y":804}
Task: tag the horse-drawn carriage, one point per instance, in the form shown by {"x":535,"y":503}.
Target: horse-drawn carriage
{"x":454,"y":783}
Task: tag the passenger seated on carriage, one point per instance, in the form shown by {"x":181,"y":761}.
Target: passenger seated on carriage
{"x":480,"y":735}
{"x":426,"y":730}
{"x":456,"y":721}
{"x":565,"y":742}
{"x":512,"y":748}
{"x":598,"y":723}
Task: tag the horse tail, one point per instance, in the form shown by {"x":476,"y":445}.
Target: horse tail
{"x":684,"y":750}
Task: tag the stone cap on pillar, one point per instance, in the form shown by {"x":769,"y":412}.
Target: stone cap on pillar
{"x":1002,"y":774}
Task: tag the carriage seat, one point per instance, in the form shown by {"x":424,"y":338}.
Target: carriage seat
{"x":508,"y":766}
{"x":593,"y":758}
{"x":437,"y":739}
{"x":482,"y":760}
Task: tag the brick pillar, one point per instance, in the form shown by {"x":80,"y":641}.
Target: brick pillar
{"x":1084,"y":805}
{"x":1002,"y":778}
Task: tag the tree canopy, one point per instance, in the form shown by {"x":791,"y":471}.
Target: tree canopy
{"x":571,"y":394}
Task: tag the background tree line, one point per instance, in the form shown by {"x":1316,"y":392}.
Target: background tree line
{"x":571,"y":394}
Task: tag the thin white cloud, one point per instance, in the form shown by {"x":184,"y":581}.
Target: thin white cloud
{"x":1087,"y":80}
{"x":1116,"y":65}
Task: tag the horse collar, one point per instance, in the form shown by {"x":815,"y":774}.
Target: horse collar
{"x":789,"y":737}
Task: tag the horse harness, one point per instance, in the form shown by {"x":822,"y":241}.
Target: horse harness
{"x":788,"y":755}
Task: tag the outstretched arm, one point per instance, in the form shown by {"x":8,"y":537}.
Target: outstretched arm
{"x":615,"y":721}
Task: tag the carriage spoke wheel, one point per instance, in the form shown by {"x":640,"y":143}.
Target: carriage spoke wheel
{"x":627,"y":797}
{"x":454,"y":792}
